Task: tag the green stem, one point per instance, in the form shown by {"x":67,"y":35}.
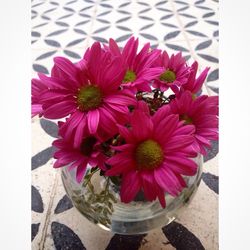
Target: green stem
{"x":89,"y":176}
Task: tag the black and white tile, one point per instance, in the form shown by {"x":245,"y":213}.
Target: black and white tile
{"x":67,"y":28}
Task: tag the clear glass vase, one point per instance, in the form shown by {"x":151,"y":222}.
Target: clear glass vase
{"x":99,"y":201}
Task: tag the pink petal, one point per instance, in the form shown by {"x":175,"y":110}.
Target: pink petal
{"x":128,"y":48}
{"x":120,"y":99}
{"x":130,"y":186}
{"x":152,"y":57}
{"x":161,"y":114}
{"x":141,"y":58}
{"x":56,"y":95}
{"x":114,"y":47}
{"x":184,"y":130}
{"x":202,"y":140}
{"x":76,"y":164}
{"x":181,"y":180}
{"x":107,"y":122}
{"x":200,"y":80}
{"x":36,"y":109}
{"x":190,"y":84}
{"x":81,"y":171}
{"x":59,"y":110}
{"x":64,"y":159}
{"x":82,"y":64}
{"x":142,"y":125}
{"x":148,"y":185}
{"x":112,"y":78}
{"x":180,"y":168}
{"x":125,"y":147}
{"x":93,"y":64}
{"x":60,"y":143}
{"x":53,"y":82}
{"x":165,"y":59}
{"x":66,"y":66}
{"x":93,"y":120}
{"x":121,"y":168}
{"x":167,"y":180}
{"x":141,"y":105}
{"x":165,"y":128}
{"x":79,"y":132}
{"x":119,"y":108}
{"x":73,"y":121}
{"x":179,"y":142}
{"x":126,"y":134}
{"x":161,"y":195}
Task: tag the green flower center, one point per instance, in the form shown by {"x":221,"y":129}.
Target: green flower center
{"x":87,"y":145}
{"x":130,"y":76}
{"x":168,"y":76}
{"x":186,"y":118}
{"x":148,"y":155}
{"x":89,"y":97}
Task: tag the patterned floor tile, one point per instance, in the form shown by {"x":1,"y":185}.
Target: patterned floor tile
{"x":199,"y":19}
{"x":156,"y":240}
{"x":43,"y":176}
{"x":43,"y":58}
{"x":206,"y":217}
{"x":67,"y":225}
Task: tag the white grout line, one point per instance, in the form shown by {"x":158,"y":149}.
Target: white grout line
{"x":48,"y":213}
{"x":93,"y":19}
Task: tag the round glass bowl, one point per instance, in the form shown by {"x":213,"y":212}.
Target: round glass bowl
{"x":99,"y":201}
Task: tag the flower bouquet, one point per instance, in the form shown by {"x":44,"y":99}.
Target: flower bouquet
{"x":134,"y":131}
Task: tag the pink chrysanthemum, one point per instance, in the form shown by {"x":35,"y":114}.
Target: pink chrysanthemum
{"x":87,"y":91}
{"x":202,"y":112}
{"x":175,"y":72}
{"x":155,"y":155}
{"x":194,"y":84}
{"x":88,"y":152}
{"x":139,"y":70}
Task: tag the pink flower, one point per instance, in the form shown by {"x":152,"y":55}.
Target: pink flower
{"x":139,"y":70}
{"x":80,"y":157}
{"x":202,"y":112}
{"x":175,"y":72}
{"x":87,"y":91}
{"x":155,"y":155}
{"x":193,"y":84}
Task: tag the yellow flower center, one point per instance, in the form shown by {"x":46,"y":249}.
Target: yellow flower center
{"x":130,"y":76}
{"x":186,"y":118}
{"x":87,"y":145}
{"x":168,"y":76}
{"x":148,"y":155}
{"x":89,"y":97}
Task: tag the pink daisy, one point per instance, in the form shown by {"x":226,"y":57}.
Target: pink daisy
{"x":202,"y":112}
{"x":87,"y":91}
{"x":175,"y":72}
{"x":155,"y":155}
{"x":87,"y":153}
{"x":139,"y":70}
{"x":194,"y":84}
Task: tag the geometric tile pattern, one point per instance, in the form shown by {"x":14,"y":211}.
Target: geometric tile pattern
{"x":67,"y":28}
